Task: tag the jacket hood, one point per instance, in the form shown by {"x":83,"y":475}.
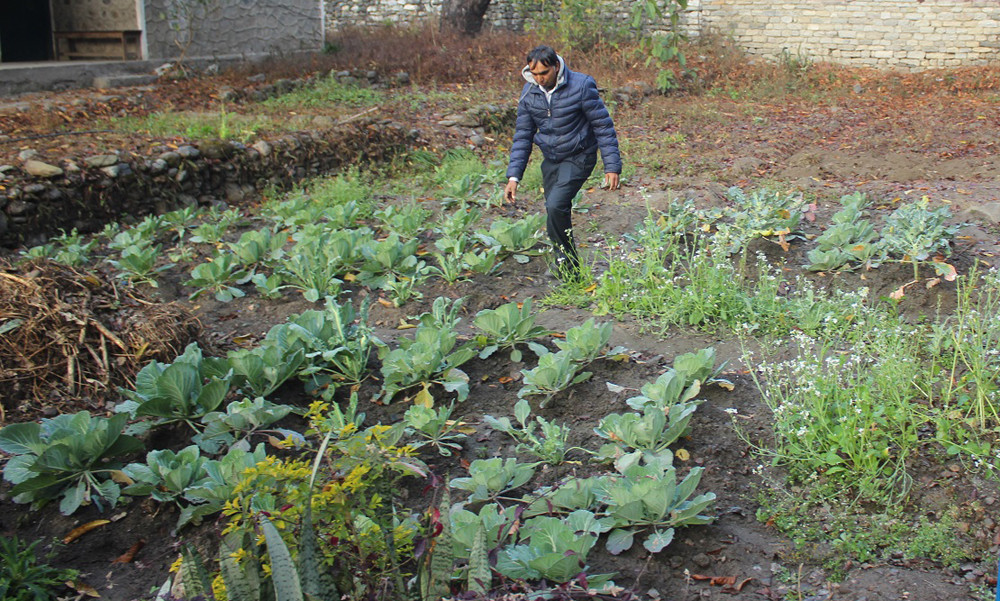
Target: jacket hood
{"x":560,"y":78}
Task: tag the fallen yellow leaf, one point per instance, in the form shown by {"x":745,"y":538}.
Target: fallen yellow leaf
{"x":79,"y":531}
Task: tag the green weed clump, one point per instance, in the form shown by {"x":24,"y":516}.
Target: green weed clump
{"x":220,"y":125}
{"x":324,"y":93}
{"x":24,"y":578}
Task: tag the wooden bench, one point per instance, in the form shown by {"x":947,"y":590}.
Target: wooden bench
{"x":69,"y":47}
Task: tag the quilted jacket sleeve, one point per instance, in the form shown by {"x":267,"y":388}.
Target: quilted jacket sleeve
{"x":603,"y":127}
{"x":524,"y":136}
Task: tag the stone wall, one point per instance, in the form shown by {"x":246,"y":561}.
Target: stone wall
{"x":898,"y":34}
{"x":39,"y":199}
{"x":502,"y":14}
{"x":94,"y":15}
{"x":227,"y":27}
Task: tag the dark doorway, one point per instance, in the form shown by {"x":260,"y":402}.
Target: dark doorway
{"x":25,"y":31}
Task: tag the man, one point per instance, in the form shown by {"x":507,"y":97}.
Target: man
{"x":561,"y":111}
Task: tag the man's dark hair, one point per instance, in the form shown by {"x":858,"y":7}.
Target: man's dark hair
{"x":544,"y":55}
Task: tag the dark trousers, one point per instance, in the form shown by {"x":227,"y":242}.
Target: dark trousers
{"x":562,"y":181}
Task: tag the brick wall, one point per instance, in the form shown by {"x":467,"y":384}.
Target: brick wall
{"x":898,"y":34}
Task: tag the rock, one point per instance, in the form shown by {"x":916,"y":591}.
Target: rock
{"x":468,"y":119}
{"x":234,"y":193}
{"x":257,"y":78}
{"x":163,"y":69}
{"x":40,"y":169}
{"x":101,"y":160}
{"x":71,"y":167}
{"x":53,"y":194}
{"x":188,"y":152}
{"x":402,"y":78}
{"x":988,"y":212}
{"x":187,"y":200}
{"x":119,"y":170}
{"x":158,"y":166}
{"x":229,"y":95}
{"x":34,"y":189}
{"x":644,"y":88}
{"x":3,"y":223}
{"x":858,"y":88}
{"x":323,"y":122}
{"x":24,"y":155}
{"x":262,"y":147}
{"x":477,"y":140}
{"x":746,"y":165}
{"x":283,"y":86}
{"x":212,"y":69}
{"x":216,"y":149}
{"x":18,"y":208}
{"x":171,"y":158}
{"x":701,"y":560}
{"x":371,"y":75}
{"x":6,"y":168}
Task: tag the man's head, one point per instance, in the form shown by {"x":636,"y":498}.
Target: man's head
{"x":543,"y":63}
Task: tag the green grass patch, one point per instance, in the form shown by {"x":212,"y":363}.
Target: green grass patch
{"x":326,"y":92}
{"x":221,"y":125}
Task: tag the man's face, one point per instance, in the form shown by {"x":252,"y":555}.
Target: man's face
{"x":544,"y":75}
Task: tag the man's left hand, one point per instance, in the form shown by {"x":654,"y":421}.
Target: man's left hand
{"x":611,"y":181}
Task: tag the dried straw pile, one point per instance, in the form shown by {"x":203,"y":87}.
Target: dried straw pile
{"x":67,"y":339}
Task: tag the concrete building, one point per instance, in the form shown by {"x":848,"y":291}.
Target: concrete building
{"x":66,"y":30}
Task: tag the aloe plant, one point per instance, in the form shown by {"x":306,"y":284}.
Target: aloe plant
{"x":68,"y":456}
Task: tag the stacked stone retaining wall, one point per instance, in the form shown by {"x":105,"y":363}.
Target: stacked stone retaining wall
{"x":86,"y":193}
{"x":897,"y":34}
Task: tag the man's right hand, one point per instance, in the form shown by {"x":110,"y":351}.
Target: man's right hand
{"x":510,"y":192}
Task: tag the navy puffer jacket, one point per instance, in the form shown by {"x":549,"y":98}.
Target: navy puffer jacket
{"x":576,"y":122}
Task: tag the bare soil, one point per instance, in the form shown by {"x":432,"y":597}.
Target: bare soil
{"x":941,"y":145}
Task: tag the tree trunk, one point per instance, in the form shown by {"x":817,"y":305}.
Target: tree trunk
{"x":465,"y":16}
